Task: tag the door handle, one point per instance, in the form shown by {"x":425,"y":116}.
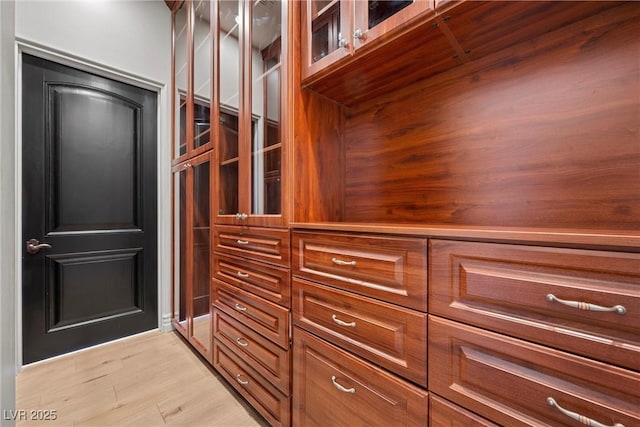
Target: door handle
{"x":34,"y":246}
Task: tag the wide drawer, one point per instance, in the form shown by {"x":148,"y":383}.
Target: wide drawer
{"x":267,"y":281}
{"x":443,"y":413}
{"x":264,"y":397}
{"x":268,"y":359}
{"x":547,"y":295}
{"x":262,"y":244}
{"x":264,"y":317}
{"x":515,"y":383}
{"x":334,"y":388}
{"x":392,"y":269}
{"x":390,"y":336}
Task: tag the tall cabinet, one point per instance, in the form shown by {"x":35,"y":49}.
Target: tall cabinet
{"x":192,"y":168}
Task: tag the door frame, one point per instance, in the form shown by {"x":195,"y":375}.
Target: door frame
{"x":163,"y":163}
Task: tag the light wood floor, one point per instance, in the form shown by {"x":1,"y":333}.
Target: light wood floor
{"x":151,"y":379}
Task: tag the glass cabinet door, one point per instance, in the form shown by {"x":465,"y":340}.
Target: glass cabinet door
{"x":202,"y":50}
{"x":180,"y":273}
{"x":370,"y":13}
{"x":200,"y":249}
{"x":230,"y":78}
{"x":266,"y":145}
{"x":181,"y":76}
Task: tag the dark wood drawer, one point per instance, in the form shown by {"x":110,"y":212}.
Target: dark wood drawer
{"x":514,"y":382}
{"x":262,"y":244}
{"x":512,"y":289}
{"x":392,"y":269}
{"x":264,"y":397}
{"x":267,"y":281}
{"x":443,"y":413}
{"x":264,"y":317}
{"x":334,"y":388}
{"x":268,"y":359}
{"x":390,"y":336}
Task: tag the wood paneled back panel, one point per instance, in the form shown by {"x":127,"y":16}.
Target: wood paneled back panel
{"x":543,"y":134}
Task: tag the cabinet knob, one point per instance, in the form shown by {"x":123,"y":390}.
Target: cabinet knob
{"x":342,"y":42}
{"x":357,"y":34}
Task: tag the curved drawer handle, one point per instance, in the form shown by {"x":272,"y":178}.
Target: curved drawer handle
{"x":343,"y":389}
{"x":341,"y":262}
{"x":620,"y":309}
{"x":242,"y":342}
{"x":245,"y":382}
{"x":241,"y":274}
{"x":240,"y":307}
{"x":575,"y":416}
{"x":342,"y":323}
{"x":242,"y":242}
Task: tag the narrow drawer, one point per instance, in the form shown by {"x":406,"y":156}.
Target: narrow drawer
{"x":334,"y":388}
{"x":267,"y":281}
{"x":268,"y":359}
{"x":542,"y":295}
{"x":516,"y":383}
{"x":264,"y":317}
{"x":443,"y":413}
{"x":392,"y":269}
{"x":262,"y":244}
{"x":264,"y":397}
{"x":390,"y":336}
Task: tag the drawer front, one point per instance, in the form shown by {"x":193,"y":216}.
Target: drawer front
{"x":518,"y":290}
{"x":443,"y":413}
{"x":386,"y":268}
{"x":264,"y":397}
{"x":262,"y":244}
{"x":268,"y":359}
{"x":388,"y":335}
{"x":514,"y":382}
{"x":266,"y":318}
{"x":334,"y":388}
{"x":267,"y":281}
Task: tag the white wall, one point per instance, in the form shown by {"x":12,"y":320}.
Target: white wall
{"x":127,"y":40}
{"x":7,"y":221}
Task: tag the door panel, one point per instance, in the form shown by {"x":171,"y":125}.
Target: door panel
{"x":89,"y":191}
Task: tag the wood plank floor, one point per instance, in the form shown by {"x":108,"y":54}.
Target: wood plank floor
{"x":152,"y":379}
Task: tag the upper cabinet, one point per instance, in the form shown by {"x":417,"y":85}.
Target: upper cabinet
{"x":251,"y":143}
{"x":335,"y":29}
{"x":192,"y":93}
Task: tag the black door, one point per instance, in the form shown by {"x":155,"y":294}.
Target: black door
{"x":89,"y":200}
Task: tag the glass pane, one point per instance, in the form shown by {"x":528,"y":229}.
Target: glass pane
{"x":201,"y":248}
{"x":379,"y":10}
{"x":201,"y":73}
{"x":266,"y":32}
{"x":180,"y":248}
{"x":229,"y":87}
{"x":325,"y":28}
{"x":180,"y":109}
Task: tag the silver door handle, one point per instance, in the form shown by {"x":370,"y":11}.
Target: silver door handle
{"x":34,"y":246}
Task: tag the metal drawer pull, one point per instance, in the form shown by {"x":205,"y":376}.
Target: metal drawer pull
{"x":341,"y":262}
{"x":244,"y":382}
{"x":242,"y":242}
{"x":346,"y":390}
{"x":241,"y":274}
{"x":240,"y":308}
{"x":580,"y":418}
{"x":620,"y":309}
{"x":341,"y":323}
{"x":242,"y":342}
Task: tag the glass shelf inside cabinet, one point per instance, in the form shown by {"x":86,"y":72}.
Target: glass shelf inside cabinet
{"x":228,"y":155}
{"x":325,"y":28}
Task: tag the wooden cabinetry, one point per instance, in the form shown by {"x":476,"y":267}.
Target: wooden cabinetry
{"x":252,"y":113}
{"x":333,"y":30}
